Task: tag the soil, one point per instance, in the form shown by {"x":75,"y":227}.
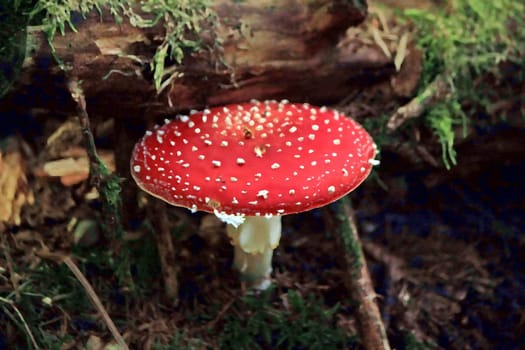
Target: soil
{"x":445,"y":253}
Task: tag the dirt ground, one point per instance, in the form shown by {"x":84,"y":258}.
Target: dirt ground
{"x":444,"y":250}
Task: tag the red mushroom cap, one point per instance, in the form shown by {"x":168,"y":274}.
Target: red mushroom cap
{"x":256,"y":158}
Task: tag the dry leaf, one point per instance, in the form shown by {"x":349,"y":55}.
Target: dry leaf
{"x":14,"y":189}
{"x":380,"y":42}
{"x":75,"y":167}
{"x":67,"y":135}
{"x":401,"y":52}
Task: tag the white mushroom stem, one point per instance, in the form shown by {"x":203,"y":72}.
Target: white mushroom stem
{"x":254,"y":242}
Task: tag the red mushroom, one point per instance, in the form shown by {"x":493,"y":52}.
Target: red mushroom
{"x":250,"y":164}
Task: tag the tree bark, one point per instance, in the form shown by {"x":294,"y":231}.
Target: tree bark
{"x":270,"y":49}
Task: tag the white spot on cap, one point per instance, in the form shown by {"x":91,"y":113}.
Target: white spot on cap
{"x":216,"y":163}
{"x":263,"y":194}
{"x":337,"y":142}
{"x":292,"y":129}
{"x":241,"y":161}
{"x":374,"y":162}
{"x":291,"y":192}
{"x":136,"y":168}
{"x":224,"y":143}
{"x":315,"y":127}
{"x":331,"y":189}
{"x":259,"y":151}
{"x":276,"y":166}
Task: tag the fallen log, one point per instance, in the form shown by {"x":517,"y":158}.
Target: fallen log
{"x":269,"y":49}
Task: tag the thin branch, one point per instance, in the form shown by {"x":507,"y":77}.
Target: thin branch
{"x":24,"y":323}
{"x":358,"y":281}
{"x":436,"y":91}
{"x":96,"y":302}
{"x":9,"y":262}
{"x":165,"y":248}
{"x":107,"y":184}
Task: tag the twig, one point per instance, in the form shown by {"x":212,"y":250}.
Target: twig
{"x":9,"y":262}
{"x":436,"y":91}
{"x":99,"y":174}
{"x":358,"y":282}
{"x":395,"y":274}
{"x":24,"y":323}
{"x":165,"y":249}
{"x":96,"y":302}
{"x":108,"y":185}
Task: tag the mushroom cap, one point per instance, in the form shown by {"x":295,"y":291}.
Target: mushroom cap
{"x":256,"y":158}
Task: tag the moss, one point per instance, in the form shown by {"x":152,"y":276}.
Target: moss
{"x":181,"y":20}
{"x":351,"y":244}
{"x":13,"y":37}
{"x":461,"y":44}
{"x":304,"y":324}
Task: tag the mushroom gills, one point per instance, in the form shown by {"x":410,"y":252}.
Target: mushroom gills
{"x":254,"y":242}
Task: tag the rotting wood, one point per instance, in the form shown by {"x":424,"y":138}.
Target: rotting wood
{"x":293,"y":49}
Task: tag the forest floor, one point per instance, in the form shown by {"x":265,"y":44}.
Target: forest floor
{"x":446,"y":260}
{"x":445,"y":250}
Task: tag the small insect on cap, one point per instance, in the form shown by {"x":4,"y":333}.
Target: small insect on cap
{"x":257,"y":158}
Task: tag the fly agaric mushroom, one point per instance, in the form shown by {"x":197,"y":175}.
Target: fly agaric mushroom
{"x":250,"y":164}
